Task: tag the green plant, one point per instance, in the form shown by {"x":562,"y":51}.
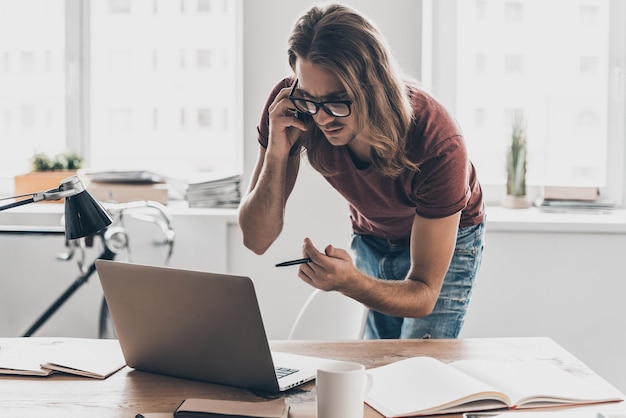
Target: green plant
{"x":516,"y":158}
{"x":73,"y":161}
{"x":65,"y":161}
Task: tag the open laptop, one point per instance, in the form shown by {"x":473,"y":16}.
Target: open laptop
{"x":196,"y":325}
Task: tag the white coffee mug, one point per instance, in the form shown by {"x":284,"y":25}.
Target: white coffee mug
{"x":341,"y":388}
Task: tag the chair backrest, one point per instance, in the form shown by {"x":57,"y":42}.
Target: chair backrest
{"x":329,"y":316}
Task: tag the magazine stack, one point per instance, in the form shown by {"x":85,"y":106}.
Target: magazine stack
{"x":215,"y":192}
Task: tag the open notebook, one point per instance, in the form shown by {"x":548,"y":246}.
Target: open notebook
{"x":196,"y":325}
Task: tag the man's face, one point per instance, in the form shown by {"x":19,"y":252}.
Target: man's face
{"x":319,"y":84}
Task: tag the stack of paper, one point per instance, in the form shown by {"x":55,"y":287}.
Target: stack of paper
{"x":574,"y":206}
{"x":214,"y":192}
{"x":42,"y":356}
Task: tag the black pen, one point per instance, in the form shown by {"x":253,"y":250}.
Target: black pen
{"x":294,"y":262}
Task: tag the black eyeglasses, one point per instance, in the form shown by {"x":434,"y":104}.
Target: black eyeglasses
{"x":336,"y":108}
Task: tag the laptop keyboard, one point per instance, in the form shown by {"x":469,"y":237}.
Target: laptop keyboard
{"x":284,"y":371}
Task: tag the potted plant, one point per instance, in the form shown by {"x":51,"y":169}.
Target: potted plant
{"x":516,"y":165}
{"x":47,"y":172}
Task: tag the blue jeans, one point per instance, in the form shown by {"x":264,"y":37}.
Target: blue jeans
{"x":377,"y":257}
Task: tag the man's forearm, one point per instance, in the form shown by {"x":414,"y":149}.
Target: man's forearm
{"x":261,"y":212}
{"x":406,"y":298}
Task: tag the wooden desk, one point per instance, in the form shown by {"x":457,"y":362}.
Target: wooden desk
{"x":129,"y":392}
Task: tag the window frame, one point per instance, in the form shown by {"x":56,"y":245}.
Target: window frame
{"x":77,"y":70}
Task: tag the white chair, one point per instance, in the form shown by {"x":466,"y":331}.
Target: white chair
{"x":329,"y":316}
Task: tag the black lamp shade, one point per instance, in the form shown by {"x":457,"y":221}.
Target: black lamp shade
{"x":84,"y":216}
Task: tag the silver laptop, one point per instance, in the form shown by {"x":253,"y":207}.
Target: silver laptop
{"x":196,"y":325}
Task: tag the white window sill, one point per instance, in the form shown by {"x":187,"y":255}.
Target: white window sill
{"x":48,"y":213}
{"x":498,"y":218}
{"x":535,"y":220}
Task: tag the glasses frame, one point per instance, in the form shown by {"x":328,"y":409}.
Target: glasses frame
{"x":318,"y":105}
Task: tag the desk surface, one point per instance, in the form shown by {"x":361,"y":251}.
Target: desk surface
{"x":129,"y":392}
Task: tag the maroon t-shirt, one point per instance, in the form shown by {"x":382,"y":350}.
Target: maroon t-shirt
{"x":383,"y":206}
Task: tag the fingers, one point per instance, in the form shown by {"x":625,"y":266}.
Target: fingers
{"x":285,"y":128}
{"x":308,"y":273}
{"x":305,"y":277}
{"x":331,"y":270}
{"x":309,"y":250}
{"x":339,"y":253}
{"x":283,"y":113}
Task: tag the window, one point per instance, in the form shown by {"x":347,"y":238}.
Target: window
{"x":128,"y":84}
{"x":32,"y":82}
{"x":559,"y":61}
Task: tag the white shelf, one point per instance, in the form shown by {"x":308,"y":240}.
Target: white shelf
{"x":535,"y":220}
{"x":498,"y":218}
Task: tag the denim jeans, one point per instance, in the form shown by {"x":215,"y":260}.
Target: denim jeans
{"x":377,"y":257}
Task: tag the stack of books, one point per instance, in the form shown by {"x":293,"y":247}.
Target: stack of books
{"x":572,"y":199}
{"x":214,"y":192}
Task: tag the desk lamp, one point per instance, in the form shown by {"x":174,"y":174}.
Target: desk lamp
{"x":84,"y":216}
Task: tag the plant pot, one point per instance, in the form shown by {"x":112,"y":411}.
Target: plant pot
{"x":515,"y":202}
{"x":39,"y":181}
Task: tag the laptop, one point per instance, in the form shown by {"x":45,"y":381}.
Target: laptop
{"x":196,"y":325}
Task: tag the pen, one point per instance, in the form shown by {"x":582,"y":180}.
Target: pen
{"x":294,"y":262}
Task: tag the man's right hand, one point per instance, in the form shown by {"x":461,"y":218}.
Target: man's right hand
{"x":285,"y":127}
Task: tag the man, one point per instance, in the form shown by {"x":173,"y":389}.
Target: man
{"x":399,"y":160}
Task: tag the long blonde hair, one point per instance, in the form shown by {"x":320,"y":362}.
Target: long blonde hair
{"x":348,"y":44}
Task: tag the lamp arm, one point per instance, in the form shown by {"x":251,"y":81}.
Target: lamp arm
{"x":56,"y":194}
{"x":18,"y":203}
{"x":52,"y":194}
{"x":70,"y":187}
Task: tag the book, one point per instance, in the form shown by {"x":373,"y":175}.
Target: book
{"x":220,"y":408}
{"x":129,"y":192}
{"x":126,"y":186}
{"x":43,"y":356}
{"x":558,"y":413}
{"x":570,"y":193}
{"x":426,"y":386}
{"x":125,"y":177}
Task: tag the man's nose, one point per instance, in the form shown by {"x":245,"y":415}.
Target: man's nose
{"x":323,"y":118}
